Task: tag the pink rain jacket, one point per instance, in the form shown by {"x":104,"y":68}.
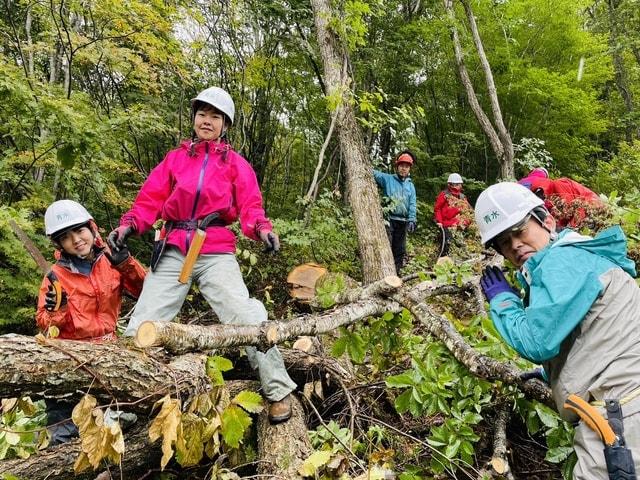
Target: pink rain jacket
{"x":227,"y":183}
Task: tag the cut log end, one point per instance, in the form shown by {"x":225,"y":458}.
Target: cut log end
{"x":147,"y":335}
{"x":499,"y":465}
{"x":393,"y":281}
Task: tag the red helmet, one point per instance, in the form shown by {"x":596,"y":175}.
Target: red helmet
{"x":404,"y":158}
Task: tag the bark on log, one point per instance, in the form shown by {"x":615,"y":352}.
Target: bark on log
{"x":498,"y":466}
{"x":180,"y":338}
{"x":477,"y":363}
{"x":108,"y":371}
{"x":283,"y":448}
{"x":56,"y":463}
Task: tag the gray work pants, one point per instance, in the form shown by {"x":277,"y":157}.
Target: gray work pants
{"x":589,"y":448}
{"x":219,"y":279}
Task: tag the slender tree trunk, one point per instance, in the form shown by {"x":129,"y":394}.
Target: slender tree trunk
{"x":507,"y":170}
{"x":499,"y":140}
{"x":375,"y":252}
{"x":621,"y":78}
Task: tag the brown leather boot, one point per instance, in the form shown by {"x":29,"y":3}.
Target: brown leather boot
{"x":280,"y":411}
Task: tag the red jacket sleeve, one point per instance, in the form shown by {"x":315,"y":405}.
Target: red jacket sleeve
{"x":132,"y":276}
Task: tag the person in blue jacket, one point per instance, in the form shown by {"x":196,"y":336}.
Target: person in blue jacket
{"x":401,"y":193}
{"x":579,"y":316}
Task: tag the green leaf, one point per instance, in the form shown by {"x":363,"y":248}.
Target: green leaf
{"x":314,"y":462}
{"x":548,"y":417}
{"x":235,"y":421}
{"x":558,"y":454}
{"x":402,"y":380}
{"x":403,"y":401}
{"x":214,"y":368}
{"x":250,"y":401}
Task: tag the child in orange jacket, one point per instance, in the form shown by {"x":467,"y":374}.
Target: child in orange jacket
{"x":82,"y":294}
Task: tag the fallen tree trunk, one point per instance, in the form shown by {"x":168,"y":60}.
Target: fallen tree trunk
{"x":56,"y":463}
{"x":58,"y":368}
{"x":283,"y":448}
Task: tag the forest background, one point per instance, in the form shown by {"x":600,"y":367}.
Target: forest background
{"x":94,"y":93}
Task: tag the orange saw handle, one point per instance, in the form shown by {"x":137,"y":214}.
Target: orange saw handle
{"x":55,"y":283}
{"x":592,"y":417}
{"x":192,"y":255}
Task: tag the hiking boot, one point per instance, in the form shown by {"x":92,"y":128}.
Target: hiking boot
{"x":280,"y":411}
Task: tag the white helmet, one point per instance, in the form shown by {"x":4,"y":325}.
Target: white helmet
{"x":64,"y":214}
{"x":218,"y":98}
{"x":454,"y":178}
{"x":501,"y":206}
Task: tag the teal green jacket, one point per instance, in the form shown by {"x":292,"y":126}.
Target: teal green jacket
{"x":561,"y":284}
{"x":402,"y":192}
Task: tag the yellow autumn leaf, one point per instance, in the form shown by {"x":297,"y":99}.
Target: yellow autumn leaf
{"x":53,"y":332}
{"x":99,"y":439}
{"x":168,"y":425}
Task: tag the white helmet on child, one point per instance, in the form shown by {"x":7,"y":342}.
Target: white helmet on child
{"x":502,"y":206}
{"x":454,"y":178}
{"x":218,"y":98}
{"x":64,"y":214}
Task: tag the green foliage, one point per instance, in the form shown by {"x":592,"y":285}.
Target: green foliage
{"x":19,"y":275}
{"x":22,"y":431}
{"x":448,"y":272}
{"x":327,"y":236}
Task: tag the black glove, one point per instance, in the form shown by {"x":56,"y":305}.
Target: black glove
{"x":537,"y":373}
{"x":51,"y":298}
{"x":271,"y":241}
{"x":117,"y":239}
{"x":493,"y":283}
{"x":411,"y":227}
{"x":116,"y":258}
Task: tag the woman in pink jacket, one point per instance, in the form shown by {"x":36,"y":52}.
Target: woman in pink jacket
{"x":206,"y":176}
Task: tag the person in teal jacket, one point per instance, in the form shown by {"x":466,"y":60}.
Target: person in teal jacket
{"x":401,"y":192}
{"x":579,"y":315}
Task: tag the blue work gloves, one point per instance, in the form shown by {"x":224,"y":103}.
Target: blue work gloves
{"x":537,"y":373}
{"x":411,"y":227}
{"x":117,"y":239}
{"x":270,"y":240}
{"x":493,"y":283}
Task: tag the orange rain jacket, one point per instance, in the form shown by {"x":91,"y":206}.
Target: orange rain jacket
{"x":94,"y":300}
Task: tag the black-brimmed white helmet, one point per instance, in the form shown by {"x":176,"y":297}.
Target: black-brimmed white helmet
{"x":454,"y":178}
{"x":501,"y":207}
{"x":63,"y":215}
{"x":216,"y":97}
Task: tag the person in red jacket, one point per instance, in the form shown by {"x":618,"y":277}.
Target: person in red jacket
{"x":90,"y":279}
{"x":82,"y":293}
{"x":567,"y":200}
{"x":447,"y":210}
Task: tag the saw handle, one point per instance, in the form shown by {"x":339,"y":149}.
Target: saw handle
{"x":592,"y":417}
{"x":57,"y":288}
{"x":192,"y":255}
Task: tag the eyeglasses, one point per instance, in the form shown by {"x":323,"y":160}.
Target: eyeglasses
{"x":502,"y":239}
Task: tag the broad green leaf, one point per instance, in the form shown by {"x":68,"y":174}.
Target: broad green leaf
{"x":314,"y":462}
{"x":250,"y":401}
{"x":235,"y":421}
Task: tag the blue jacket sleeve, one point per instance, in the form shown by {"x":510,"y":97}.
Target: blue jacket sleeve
{"x":413,"y":211}
{"x":561,"y":293}
{"x":380,"y":178}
